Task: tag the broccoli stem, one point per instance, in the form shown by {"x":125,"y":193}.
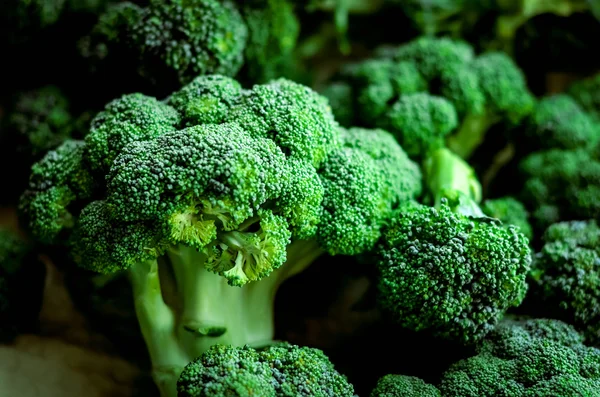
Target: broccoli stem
{"x":471,"y":134}
{"x":449,"y":177}
{"x":300,"y":255}
{"x":157,"y":324}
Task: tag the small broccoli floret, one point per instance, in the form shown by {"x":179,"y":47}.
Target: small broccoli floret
{"x":526,"y":358}
{"x":227,"y":371}
{"x":421,"y":122}
{"x":173,"y":41}
{"x":56,"y":181}
{"x":304,"y":371}
{"x":403,"y":386}
{"x":298,"y":119}
{"x":133,"y":117}
{"x":273,"y":31}
{"x":587,"y":93}
{"x":558,"y":122}
{"x":341,"y":100}
{"x":511,"y":212}
{"x":364,"y":181}
{"x":561,"y":185}
{"x":566,"y":275}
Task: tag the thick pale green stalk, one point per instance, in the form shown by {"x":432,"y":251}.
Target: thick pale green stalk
{"x":157,"y":323}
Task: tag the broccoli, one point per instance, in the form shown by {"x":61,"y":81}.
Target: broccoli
{"x":587,"y":93}
{"x":340,"y":96}
{"x":566,"y":275}
{"x":559,"y":122}
{"x":561,"y":185}
{"x":21,"y":284}
{"x":273,"y":31}
{"x":511,"y":212}
{"x":169,"y":42}
{"x":448,"y":269}
{"x":282,"y":370}
{"x":209,"y":199}
{"x":403,"y":386}
{"x":534,"y":357}
{"x":454,"y":94}
{"x":38,"y":121}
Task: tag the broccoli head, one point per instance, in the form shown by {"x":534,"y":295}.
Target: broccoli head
{"x":587,"y":93}
{"x":282,"y":370}
{"x":403,"y":386}
{"x":566,"y":275}
{"x":536,"y":358}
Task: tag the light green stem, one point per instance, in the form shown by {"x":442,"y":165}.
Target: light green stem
{"x":471,"y":134}
{"x":157,"y":323}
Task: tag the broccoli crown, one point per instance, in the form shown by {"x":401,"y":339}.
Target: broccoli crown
{"x":175,"y":39}
{"x":235,"y":174}
{"x":273,"y":31}
{"x":404,"y":386}
{"x":32,"y":15}
{"x":304,"y":371}
{"x":436,"y":16}
{"x":340,"y":97}
{"x":449,"y":274}
{"x":559,"y":122}
{"x":39,"y":121}
{"x":587,"y":93}
{"x":363,"y":180}
{"x":566,"y":274}
{"x":226,"y":371}
{"x":478,"y":91}
{"x":13,"y":250}
{"x":282,"y":370}
{"x":561,"y":185}
{"x":534,"y":358}
{"x":511,"y":212}
{"x":59,"y":179}
{"x":421,"y":121}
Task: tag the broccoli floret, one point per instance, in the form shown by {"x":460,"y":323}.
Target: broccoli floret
{"x":401,"y":89}
{"x":227,"y":371}
{"x":561,"y":185}
{"x":526,"y":358}
{"x":283,"y":370}
{"x":403,"y":386}
{"x":480,"y":266}
{"x":566,"y":275}
{"x":511,"y":212}
{"x":38,"y":121}
{"x":421,"y":122}
{"x":169,"y":42}
{"x":56,"y":182}
{"x":587,"y":93}
{"x":363,"y":181}
{"x":558,"y":122}
{"x":273,"y":31}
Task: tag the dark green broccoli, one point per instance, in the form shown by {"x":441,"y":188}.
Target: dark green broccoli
{"x":587,"y":93}
{"x":215,"y":196}
{"x":531,"y":358}
{"x":402,"y":89}
{"x":403,"y":386}
{"x":283,"y":370}
{"x":511,"y":212}
{"x":450,"y":270}
{"x":273,"y":30}
{"x":169,"y":42}
{"x":566,"y":275}
{"x":558,"y":122}
{"x":38,"y":121}
{"x":561,"y":185}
